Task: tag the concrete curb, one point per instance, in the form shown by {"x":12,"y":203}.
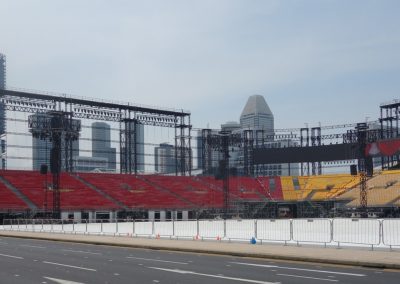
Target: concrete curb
{"x":360,"y":263}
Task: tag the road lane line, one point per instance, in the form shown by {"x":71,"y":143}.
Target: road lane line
{"x":81,"y":251}
{"x":11,"y":256}
{"x":71,"y":266}
{"x":3,"y":243}
{"x":213,"y":276}
{"x":301,"y":269}
{"x":158,"y":260}
{"x":29,"y":246}
{"x":61,"y":281}
{"x":307,"y":277}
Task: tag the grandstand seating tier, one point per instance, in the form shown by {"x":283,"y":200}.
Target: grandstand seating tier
{"x":156,"y":192}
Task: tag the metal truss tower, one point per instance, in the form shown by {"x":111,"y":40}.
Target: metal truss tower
{"x":206,"y":152}
{"x":389,"y":124}
{"x":56,"y":126}
{"x":361,"y":129}
{"x":316,"y":167}
{"x":305,"y":142}
{"x":221,"y":142}
{"x":248,"y":144}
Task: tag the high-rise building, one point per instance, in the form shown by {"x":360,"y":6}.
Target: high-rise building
{"x":257,"y":115}
{"x":2,"y":86}
{"x":3,"y":152}
{"x":41,"y":151}
{"x":164,"y":156}
{"x":101,"y":143}
{"x":139,"y":132}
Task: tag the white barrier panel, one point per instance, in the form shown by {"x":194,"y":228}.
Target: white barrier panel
{"x":312,"y":230}
{"x":125,"y":228}
{"x":94,"y":228}
{"x":144,"y":228}
{"x":391,"y":232}
{"x":109,"y":228}
{"x":69,"y":228}
{"x":356,"y":231}
{"x":164,"y":228}
{"x":211,"y":229}
{"x":80,"y":227}
{"x":47,"y":227}
{"x":57,"y":228}
{"x":185,"y":228}
{"x":30,"y":227}
{"x":273,"y":230}
{"x":240,"y":229}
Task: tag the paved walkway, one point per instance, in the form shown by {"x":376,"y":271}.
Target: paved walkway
{"x":345,"y":256}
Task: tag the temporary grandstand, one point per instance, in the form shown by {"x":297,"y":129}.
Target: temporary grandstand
{"x":124,"y":195}
{"x":128,"y":186}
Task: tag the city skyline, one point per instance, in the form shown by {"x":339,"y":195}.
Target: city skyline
{"x":315,"y":62}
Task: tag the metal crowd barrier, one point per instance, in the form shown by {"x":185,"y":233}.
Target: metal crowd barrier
{"x":312,"y":231}
{"x":357,"y":231}
{"x":366,"y":232}
{"x":391,"y":232}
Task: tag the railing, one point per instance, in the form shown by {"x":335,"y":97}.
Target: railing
{"x":363,"y":232}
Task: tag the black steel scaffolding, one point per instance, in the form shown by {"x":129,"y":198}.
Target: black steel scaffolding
{"x":389,"y":124}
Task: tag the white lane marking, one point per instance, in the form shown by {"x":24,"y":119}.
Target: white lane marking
{"x":158,"y":260}
{"x":29,"y":246}
{"x":11,"y":256}
{"x":307,"y":277}
{"x":3,"y":243}
{"x":71,"y":266}
{"x":61,"y":281}
{"x":213,"y":276}
{"x":300,"y":269}
{"x":81,"y":251}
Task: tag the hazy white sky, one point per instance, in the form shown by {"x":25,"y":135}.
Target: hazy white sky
{"x":314,"y":61}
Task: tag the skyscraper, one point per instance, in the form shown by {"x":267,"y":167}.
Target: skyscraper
{"x":257,"y":115}
{"x":2,"y":86}
{"x":3,"y":149}
{"x":101,"y":143}
{"x":139,"y":132}
{"x":164,"y":156}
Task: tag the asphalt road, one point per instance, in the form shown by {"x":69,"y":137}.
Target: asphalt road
{"x":32,"y":261}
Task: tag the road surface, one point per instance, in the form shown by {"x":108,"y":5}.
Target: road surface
{"x":33,"y":261}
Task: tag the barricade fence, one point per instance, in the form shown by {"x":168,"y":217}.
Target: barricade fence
{"x":366,"y":232}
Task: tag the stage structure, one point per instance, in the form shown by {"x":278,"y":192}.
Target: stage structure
{"x":57,"y":118}
{"x":59,"y":128}
{"x":127,"y":115}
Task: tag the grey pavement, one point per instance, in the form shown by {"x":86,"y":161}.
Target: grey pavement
{"x":354,"y":256}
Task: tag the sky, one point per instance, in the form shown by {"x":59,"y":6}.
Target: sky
{"x":322,"y":61}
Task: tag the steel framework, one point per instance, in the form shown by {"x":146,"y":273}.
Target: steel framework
{"x":305,"y":142}
{"x":361,"y":129}
{"x":221,"y":142}
{"x":389,"y":127}
{"x":125,"y":114}
{"x":58,"y":127}
{"x":316,"y":168}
